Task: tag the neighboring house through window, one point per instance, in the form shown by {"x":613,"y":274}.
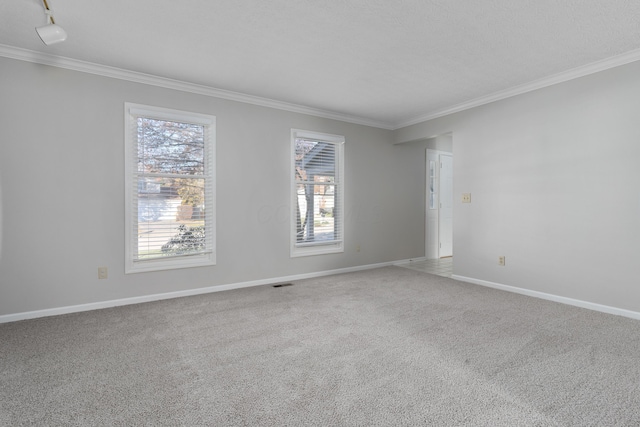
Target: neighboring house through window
{"x":169,"y":187}
{"x":317,"y":225}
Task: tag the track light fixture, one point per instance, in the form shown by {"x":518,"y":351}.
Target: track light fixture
{"x":50,"y":33}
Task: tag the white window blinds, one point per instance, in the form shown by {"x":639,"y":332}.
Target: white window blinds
{"x":170,"y":189}
{"x":317,"y":222}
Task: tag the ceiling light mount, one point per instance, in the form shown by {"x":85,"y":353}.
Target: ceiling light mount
{"x":50,"y":33}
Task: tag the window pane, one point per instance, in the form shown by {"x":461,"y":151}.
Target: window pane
{"x":432,"y":180}
{"x":170,"y":189}
{"x":314,"y":158}
{"x":317,"y":225}
{"x":170,"y":217}
{"x":316,"y":220}
{"x":170,"y":147}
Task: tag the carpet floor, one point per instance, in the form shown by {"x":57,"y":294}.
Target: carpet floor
{"x":384,"y":347}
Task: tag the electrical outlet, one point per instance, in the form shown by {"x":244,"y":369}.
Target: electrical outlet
{"x":501,"y":260}
{"x":466,"y":197}
{"x":102,"y":272}
{"x":358,"y":248}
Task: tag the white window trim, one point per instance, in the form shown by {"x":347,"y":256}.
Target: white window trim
{"x":131,"y":112}
{"x":323,"y":247}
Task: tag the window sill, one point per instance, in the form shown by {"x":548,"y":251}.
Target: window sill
{"x":316,"y":249}
{"x":171,"y":264}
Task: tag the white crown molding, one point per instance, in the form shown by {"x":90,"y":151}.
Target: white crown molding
{"x":564,"y":76}
{"x":118,"y":73}
{"x":132,"y":76}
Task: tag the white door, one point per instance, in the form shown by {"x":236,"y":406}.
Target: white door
{"x":445,"y":215}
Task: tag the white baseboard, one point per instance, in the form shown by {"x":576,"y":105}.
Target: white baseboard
{"x":551,"y":297}
{"x":156,"y":297}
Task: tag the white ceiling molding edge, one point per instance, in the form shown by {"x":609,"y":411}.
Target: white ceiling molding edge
{"x":133,"y":76}
{"x":118,"y":73}
{"x":595,"y":67}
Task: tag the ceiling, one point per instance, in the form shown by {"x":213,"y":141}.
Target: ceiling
{"x":384,"y":62}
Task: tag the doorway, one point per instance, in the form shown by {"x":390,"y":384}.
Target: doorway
{"x":439,"y":209}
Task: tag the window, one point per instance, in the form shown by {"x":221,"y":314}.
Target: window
{"x":433,"y":194}
{"x":169,"y":188}
{"x":317,"y":225}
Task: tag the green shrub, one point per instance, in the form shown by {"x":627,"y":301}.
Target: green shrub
{"x":187,"y":240}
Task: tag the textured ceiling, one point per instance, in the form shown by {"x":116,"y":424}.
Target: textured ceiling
{"x":389,"y":61}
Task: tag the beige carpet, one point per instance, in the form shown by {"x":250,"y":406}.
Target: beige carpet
{"x":382,"y":347}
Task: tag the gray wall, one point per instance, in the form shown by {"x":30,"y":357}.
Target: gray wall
{"x":553,"y":174}
{"x":62,"y":191}
{"x":555,"y":182}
